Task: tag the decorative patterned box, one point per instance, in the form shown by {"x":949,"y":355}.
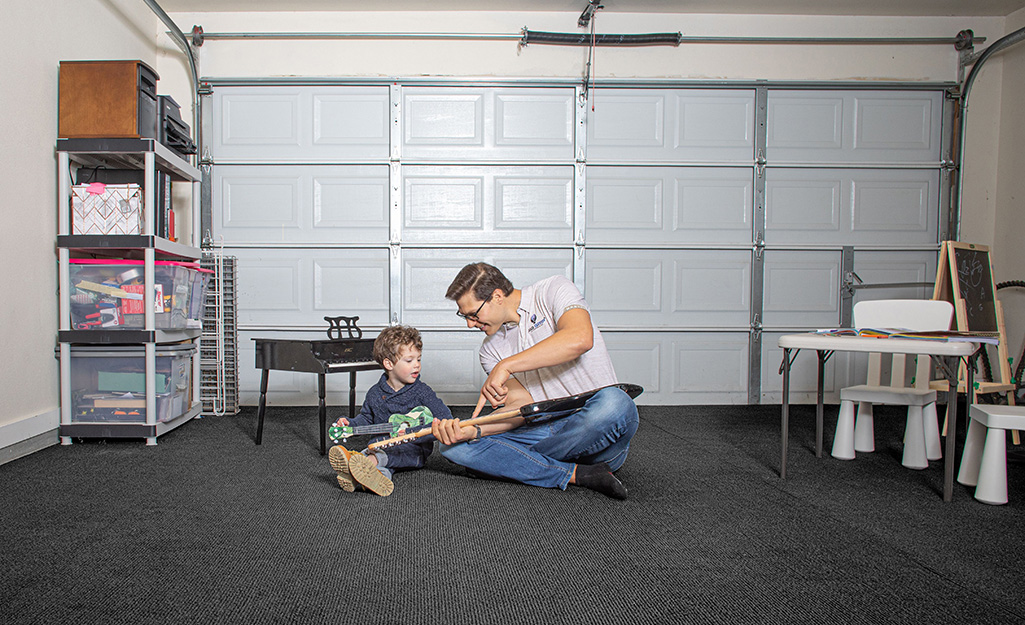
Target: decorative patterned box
{"x":99,"y":208}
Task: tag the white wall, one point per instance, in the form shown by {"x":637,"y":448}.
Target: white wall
{"x":40,"y":34}
{"x":504,"y":58}
{"x":1009,"y":196}
{"x":37,"y":35}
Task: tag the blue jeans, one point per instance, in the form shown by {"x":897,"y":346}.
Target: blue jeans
{"x":545,"y":454}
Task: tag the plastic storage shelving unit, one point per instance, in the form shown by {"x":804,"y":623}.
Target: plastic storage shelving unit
{"x":150,"y":156}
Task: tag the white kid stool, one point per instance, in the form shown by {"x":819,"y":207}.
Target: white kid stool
{"x":984,"y":461}
{"x":921,"y":430}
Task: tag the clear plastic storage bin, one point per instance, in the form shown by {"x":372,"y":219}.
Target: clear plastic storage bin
{"x":108,"y":383}
{"x":107,"y":294}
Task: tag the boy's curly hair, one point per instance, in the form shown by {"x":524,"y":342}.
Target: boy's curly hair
{"x":392,"y":339}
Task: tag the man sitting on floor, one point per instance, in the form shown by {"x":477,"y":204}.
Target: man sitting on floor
{"x":540,"y":345}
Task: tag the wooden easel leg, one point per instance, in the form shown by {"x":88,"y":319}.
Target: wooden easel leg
{"x":1015,"y":434}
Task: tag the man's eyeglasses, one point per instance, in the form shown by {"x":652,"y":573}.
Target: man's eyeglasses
{"x":473,"y":316}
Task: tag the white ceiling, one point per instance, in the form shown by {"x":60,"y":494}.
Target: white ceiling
{"x":938,"y":8}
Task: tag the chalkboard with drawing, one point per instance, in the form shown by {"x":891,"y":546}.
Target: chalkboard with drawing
{"x":974,"y":280}
{"x":964,"y":277}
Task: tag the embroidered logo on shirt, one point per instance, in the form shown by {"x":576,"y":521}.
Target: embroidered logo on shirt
{"x":535,"y":323}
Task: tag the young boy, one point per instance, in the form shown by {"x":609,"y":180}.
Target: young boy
{"x":399,"y":390}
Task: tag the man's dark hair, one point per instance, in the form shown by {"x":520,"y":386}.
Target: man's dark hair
{"x":479,"y":278}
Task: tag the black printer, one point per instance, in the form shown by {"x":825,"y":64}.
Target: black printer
{"x":171,"y":130}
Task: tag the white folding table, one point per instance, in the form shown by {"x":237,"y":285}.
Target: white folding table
{"x":947,"y":354}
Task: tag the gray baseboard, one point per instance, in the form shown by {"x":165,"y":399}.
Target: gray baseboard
{"x":28,"y":446}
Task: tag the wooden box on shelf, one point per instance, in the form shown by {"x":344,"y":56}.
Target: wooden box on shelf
{"x":107,"y":99}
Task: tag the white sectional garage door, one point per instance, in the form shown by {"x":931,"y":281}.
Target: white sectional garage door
{"x":699,"y":222}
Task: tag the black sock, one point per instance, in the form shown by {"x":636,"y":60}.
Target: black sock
{"x":598,"y":477}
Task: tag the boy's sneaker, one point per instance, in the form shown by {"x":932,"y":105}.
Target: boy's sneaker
{"x":366,"y":475}
{"x":340,"y":459}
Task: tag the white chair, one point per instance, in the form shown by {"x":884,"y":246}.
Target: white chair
{"x":984,"y":461}
{"x":921,"y":431}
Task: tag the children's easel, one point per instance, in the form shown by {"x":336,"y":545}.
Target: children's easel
{"x":964,"y":277}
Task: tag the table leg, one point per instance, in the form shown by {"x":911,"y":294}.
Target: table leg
{"x":262,"y":406}
{"x":819,"y":408}
{"x":322,"y":393}
{"x":785,"y":425}
{"x":352,"y":394}
{"x":951,"y":365}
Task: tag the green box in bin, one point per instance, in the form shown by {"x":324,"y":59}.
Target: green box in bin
{"x":119,"y":382}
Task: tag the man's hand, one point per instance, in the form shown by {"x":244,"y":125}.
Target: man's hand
{"x":515,"y":397}
{"x":494,"y":390}
{"x":449,"y":432}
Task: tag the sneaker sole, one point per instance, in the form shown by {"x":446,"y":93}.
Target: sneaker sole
{"x":364,"y":472}
{"x":340,"y":463}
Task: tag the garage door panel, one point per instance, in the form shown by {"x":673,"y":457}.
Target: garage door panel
{"x":442,"y":119}
{"x":669,"y":205}
{"x":274,"y":286}
{"x":902,"y":204}
{"x":704,"y":125}
{"x":637,"y":359}
{"x":487,"y":123}
{"x":715,"y":282}
{"x":299,"y":287}
{"x":309,"y":124}
{"x":854,"y":126}
{"x":676,"y":288}
{"x":538,"y":204}
{"x":451,"y":365}
{"x":301,"y":204}
{"x":350,"y":119}
{"x":895,"y":267}
{"x":622,"y":286}
{"x":427,"y":273}
{"x":801,"y":289}
{"x":717,"y":121}
{"x":901,"y":124}
{"x":629,"y":119}
{"x":251,"y":203}
{"x":259,"y":120}
{"x":351,"y":280}
{"x":804,"y":122}
{"x":851,"y":206}
{"x":682,"y":367}
{"x":533,"y":118}
{"x":354,"y":207}
{"x":803,"y":203}
{"x":488,"y":204}
{"x":710,"y":363}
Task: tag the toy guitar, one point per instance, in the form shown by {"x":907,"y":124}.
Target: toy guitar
{"x":421,"y":415}
{"x":530,"y":412}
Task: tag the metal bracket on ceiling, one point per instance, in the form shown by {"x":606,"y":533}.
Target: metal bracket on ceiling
{"x":964,"y":43}
{"x":589,"y":10}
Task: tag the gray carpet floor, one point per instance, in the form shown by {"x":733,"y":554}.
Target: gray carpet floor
{"x":207,"y":527}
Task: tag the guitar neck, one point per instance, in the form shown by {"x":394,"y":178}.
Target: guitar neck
{"x":407,"y":438}
{"x":375,"y":428}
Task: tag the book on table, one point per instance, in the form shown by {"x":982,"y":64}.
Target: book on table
{"x":903,"y":333}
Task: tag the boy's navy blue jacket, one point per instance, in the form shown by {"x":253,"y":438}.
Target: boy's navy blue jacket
{"x":383,"y":401}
